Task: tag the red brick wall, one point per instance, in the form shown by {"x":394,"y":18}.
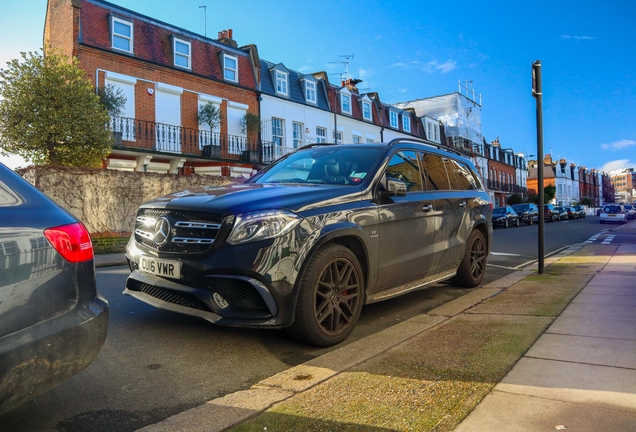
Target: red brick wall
{"x":61,"y":26}
{"x":153,"y":43}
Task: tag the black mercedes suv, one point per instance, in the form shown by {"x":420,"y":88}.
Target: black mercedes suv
{"x":306,"y":242}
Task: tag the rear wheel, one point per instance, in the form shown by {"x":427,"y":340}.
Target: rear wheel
{"x":330,"y":297}
{"x":473,"y":266}
{"x":530,"y":221}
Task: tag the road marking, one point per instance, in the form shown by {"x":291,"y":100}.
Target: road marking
{"x":608,"y":239}
{"x":503,"y":267}
{"x":503,"y":254}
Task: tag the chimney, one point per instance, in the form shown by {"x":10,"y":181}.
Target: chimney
{"x":351,"y":85}
{"x":547,"y":160}
{"x":225,"y":37}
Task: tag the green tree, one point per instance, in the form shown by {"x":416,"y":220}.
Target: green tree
{"x":112,"y":99}
{"x":548,"y":193}
{"x":210,"y":114}
{"x":50,"y":114}
{"x":250,"y":123}
{"x":514,"y":199}
{"x":587,"y":202}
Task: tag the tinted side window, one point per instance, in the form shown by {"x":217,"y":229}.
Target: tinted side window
{"x":450,"y":170}
{"x":434,"y":172}
{"x":465,"y":179}
{"x":404,"y":166}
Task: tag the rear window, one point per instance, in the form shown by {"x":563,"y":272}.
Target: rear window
{"x":612,"y":209}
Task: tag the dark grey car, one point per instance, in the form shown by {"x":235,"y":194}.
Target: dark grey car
{"x":52,"y":321}
{"x":306,"y":242}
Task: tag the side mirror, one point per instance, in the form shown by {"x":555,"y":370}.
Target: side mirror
{"x":395,"y":187}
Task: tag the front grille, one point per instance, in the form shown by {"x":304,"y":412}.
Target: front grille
{"x":175,"y":297}
{"x":190,"y":232}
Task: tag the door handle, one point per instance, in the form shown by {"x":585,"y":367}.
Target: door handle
{"x":427,"y":207}
{"x":462,"y":204}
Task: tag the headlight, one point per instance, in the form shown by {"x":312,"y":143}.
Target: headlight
{"x":262,"y":225}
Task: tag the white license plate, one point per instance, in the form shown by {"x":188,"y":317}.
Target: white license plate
{"x":160,"y":267}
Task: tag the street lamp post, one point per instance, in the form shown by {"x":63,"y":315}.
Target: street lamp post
{"x":537,"y":92}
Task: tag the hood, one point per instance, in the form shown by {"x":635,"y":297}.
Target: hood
{"x":243,"y":198}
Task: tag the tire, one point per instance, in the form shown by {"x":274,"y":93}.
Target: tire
{"x":530,"y":221}
{"x":330,"y":297}
{"x":473,"y":266}
{"x":517,"y":223}
{"x":506,"y":223}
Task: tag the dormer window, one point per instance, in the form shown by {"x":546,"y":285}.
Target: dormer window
{"x":345,"y":103}
{"x":182,"y":51}
{"x":310,"y":91}
{"x":366,"y":110}
{"x":121,"y":34}
{"x":393,"y":119}
{"x":230,"y":68}
{"x":406,"y":123}
{"x":281,"y":83}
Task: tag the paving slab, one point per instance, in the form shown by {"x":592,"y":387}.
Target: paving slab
{"x":617,"y":291}
{"x":594,"y":327}
{"x":464,"y":302}
{"x":613,"y":280}
{"x":621,"y":263}
{"x":600,"y":311}
{"x":581,"y":349}
{"x":605,"y":298}
{"x":504,"y":412}
{"x":572,"y":382}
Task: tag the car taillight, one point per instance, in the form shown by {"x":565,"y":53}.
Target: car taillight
{"x":490,"y":205}
{"x":72,"y":241}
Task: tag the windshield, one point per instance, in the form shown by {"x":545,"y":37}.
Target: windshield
{"x":342,"y":165}
{"x":521,"y":207}
{"x":627,"y":206}
{"x":499,"y":210}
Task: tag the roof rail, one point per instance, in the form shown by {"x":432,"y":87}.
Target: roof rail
{"x":315,"y":145}
{"x":420,"y":141}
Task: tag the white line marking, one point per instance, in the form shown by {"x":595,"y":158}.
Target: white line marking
{"x":503,"y":254}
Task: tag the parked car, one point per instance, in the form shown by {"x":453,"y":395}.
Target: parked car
{"x":550,"y":213}
{"x":580,"y":210}
{"x":613,"y":213}
{"x":528,"y":212}
{"x":563,"y":212}
{"x":306,"y":242}
{"x":504,"y":217}
{"x":631,"y":211}
{"x":52,"y":320}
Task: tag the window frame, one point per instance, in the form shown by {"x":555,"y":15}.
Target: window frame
{"x":282,"y":82}
{"x":313,"y":91}
{"x":321,"y":138}
{"x":348,"y":103}
{"x":113,"y":34}
{"x":393,"y":119}
{"x":226,"y":68}
{"x":176,"y":54}
{"x":278,"y":140}
{"x":337,"y":137}
{"x":406,"y":123}
{"x":367,"y":106}
{"x":298,"y":134}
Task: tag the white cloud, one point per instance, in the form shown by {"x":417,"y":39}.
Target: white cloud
{"x":568,"y":37}
{"x":402,"y":90}
{"x":445,"y":67}
{"x":618,"y":145}
{"x":617,"y":165}
{"x":364,"y":73}
{"x":400,"y":64}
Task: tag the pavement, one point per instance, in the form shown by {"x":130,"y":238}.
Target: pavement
{"x":525,"y":353}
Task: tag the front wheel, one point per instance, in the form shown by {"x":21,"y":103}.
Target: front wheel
{"x":330,"y":297}
{"x":506,"y":223}
{"x":517,"y":223}
{"x":473,"y":266}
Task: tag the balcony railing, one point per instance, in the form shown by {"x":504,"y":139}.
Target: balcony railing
{"x":141,"y":134}
{"x":496,"y":185}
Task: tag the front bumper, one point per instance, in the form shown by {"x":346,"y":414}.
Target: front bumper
{"x":38,"y":358}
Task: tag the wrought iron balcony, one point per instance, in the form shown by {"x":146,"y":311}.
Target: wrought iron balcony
{"x":161,"y":137}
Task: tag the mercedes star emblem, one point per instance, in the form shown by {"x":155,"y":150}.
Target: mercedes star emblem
{"x":162,"y":231}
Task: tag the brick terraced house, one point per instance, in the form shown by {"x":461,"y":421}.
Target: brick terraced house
{"x":166,"y":74}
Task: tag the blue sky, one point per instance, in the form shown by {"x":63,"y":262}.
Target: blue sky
{"x":414,"y":49}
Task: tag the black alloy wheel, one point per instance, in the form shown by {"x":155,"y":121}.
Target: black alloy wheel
{"x":506,"y":223}
{"x":330,"y":297}
{"x":517,"y":222}
{"x":473,"y":266}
